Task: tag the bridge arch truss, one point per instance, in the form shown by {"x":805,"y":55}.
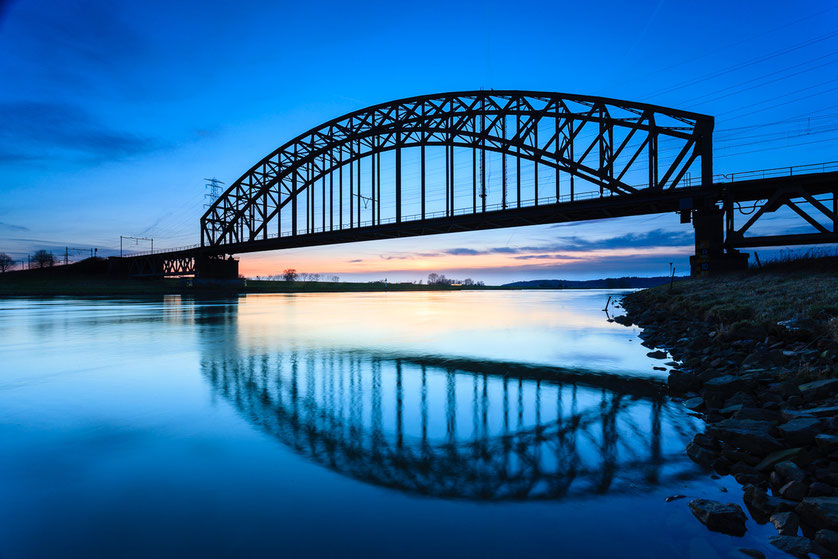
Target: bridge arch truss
{"x":455,"y":155}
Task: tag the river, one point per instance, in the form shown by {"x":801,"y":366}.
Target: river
{"x":412,"y":424}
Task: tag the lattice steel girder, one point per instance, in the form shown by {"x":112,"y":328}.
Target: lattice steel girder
{"x":473,"y":120}
{"x":801,"y":202}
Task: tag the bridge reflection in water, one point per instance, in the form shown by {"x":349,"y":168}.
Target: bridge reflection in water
{"x":459,"y":428}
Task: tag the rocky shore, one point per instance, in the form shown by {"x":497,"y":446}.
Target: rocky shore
{"x":756,"y":356}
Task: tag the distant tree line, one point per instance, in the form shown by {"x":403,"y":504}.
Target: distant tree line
{"x":291,"y":274}
{"x":440,"y":279}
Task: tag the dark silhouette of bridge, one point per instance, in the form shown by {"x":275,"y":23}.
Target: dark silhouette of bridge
{"x":488,"y":159}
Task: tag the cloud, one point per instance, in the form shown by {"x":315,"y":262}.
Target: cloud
{"x":43,"y":130}
{"x":654,"y":238}
{"x":355,"y":261}
{"x":12,"y":227}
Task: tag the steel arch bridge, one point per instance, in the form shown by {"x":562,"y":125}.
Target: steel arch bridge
{"x":453,"y":430}
{"x":326,"y":184}
{"x":475,"y":160}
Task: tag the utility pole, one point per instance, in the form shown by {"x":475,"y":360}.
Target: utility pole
{"x":213,"y":189}
{"x":136,"y":242}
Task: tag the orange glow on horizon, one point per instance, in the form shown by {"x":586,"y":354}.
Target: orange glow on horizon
{"x":325,"y":263}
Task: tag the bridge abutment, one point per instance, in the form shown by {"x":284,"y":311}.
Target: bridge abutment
{"x":710,"y":257}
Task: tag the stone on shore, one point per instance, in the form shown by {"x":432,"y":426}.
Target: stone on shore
{"x":800,"y":431}
{"x":818,"y":389}
{"x":819,"y":512}
{"x":728,"y":518}
{"x":786,"y":523}
{"x":828,"y":539}
{"x":795,"y":545}
{"x":762,"y":505}
{"x":827,"y":443}
{"x":776,"y":457}
{"x":750,"y":435}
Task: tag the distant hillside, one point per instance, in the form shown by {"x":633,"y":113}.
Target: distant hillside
{"x":607,"y":283}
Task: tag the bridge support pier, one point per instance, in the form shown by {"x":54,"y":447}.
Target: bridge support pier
{"x":216,"y":267}
{"x":710,"y":256}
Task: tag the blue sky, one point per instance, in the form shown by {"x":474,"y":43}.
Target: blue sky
{"x":113,"y":113}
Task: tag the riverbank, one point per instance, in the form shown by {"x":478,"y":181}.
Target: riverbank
{"x":45,"y":285}
{"x":757,"y":356}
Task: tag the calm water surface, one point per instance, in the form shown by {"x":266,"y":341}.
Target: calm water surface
{"x":473,"y":424}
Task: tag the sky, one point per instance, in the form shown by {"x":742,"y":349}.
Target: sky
{"x":112,"y":114}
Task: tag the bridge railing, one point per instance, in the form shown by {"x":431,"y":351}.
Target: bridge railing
{"x":160,"y":251}
{"x":829,"y":166}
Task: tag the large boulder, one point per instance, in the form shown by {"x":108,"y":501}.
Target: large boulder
{"x":800,"y":431}
{"x":728,"y":518}
{"x":681,"y":382}
{"x":762,"y":505}
{"x":786,"y":523}
{"x":818,"y":389}
{"x":819,"y":512}
{"x":795,"y":545}
{"x":750,"y":435}
{"x":828,"y":539}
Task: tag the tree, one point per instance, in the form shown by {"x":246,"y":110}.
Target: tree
{"x":289,"y":275}
{"x":468,"y":282}
{"x":433,"y":278}
{"x":6,"y":262}
{"x":43,"y":259}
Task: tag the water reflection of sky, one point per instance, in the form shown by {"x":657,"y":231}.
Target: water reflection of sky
{"x":538,"y":327}
{"x":319,"y":425}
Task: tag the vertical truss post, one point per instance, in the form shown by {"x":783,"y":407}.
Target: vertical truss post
{"x":653,"y":152}
{"x":340,"y":190}
{"x":422,"y":176}
{"x":351,"y":188}
{"x":503,"y":161}
{"x":518,"y":153}
{"x":378,"y":185}
{"x":294,"y":203}
{"x":398,"y":177}
{"x":535,"y":161}
{"x":447,"y":188}
{"x":372,"y":187}
{"x":331,"y":192}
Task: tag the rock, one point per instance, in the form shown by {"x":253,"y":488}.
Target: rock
{"x":749,"y":435}
{"x":762,"y":505}
{"x":758,"y":414}
{"x":818,"y":389}
{"x":694,"y":404}
{"x":794,"y":490}
{"x":622,"y":319}
{"x":720,"y":517}
{"x":657,"y":354}
{"x":794,"y":545}
{"x":727,"y":384}
{"x":786,"y":523}
{"x":818,"y":489}
{"x":700,"y":455}
{"x":740,"y":399}
{"x":675,"y":498}
{"x":828,"y":539}
{"x":776,"y":457}
{"x":731,"y":410}
{"x":822,"y":411}
{"x":827,"y":443}
{"x":682,"y":382}
{"x":748,"y":552}
{"x":789,"y":471}
{"x":800,"y":431}
{"x":819,"y":512}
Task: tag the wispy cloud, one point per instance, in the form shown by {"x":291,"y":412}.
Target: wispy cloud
{"x":12,"y":227}
{"x":44,"y":130}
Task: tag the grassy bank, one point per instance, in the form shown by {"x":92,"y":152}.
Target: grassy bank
{"x":45,"y":285}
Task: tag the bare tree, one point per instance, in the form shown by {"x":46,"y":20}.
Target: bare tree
{"x":289,"y":274}
{"x":433,"y":278}
{"x":43,"y":259}
{"x":468,"y":282}
{"x":6,"y":262}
